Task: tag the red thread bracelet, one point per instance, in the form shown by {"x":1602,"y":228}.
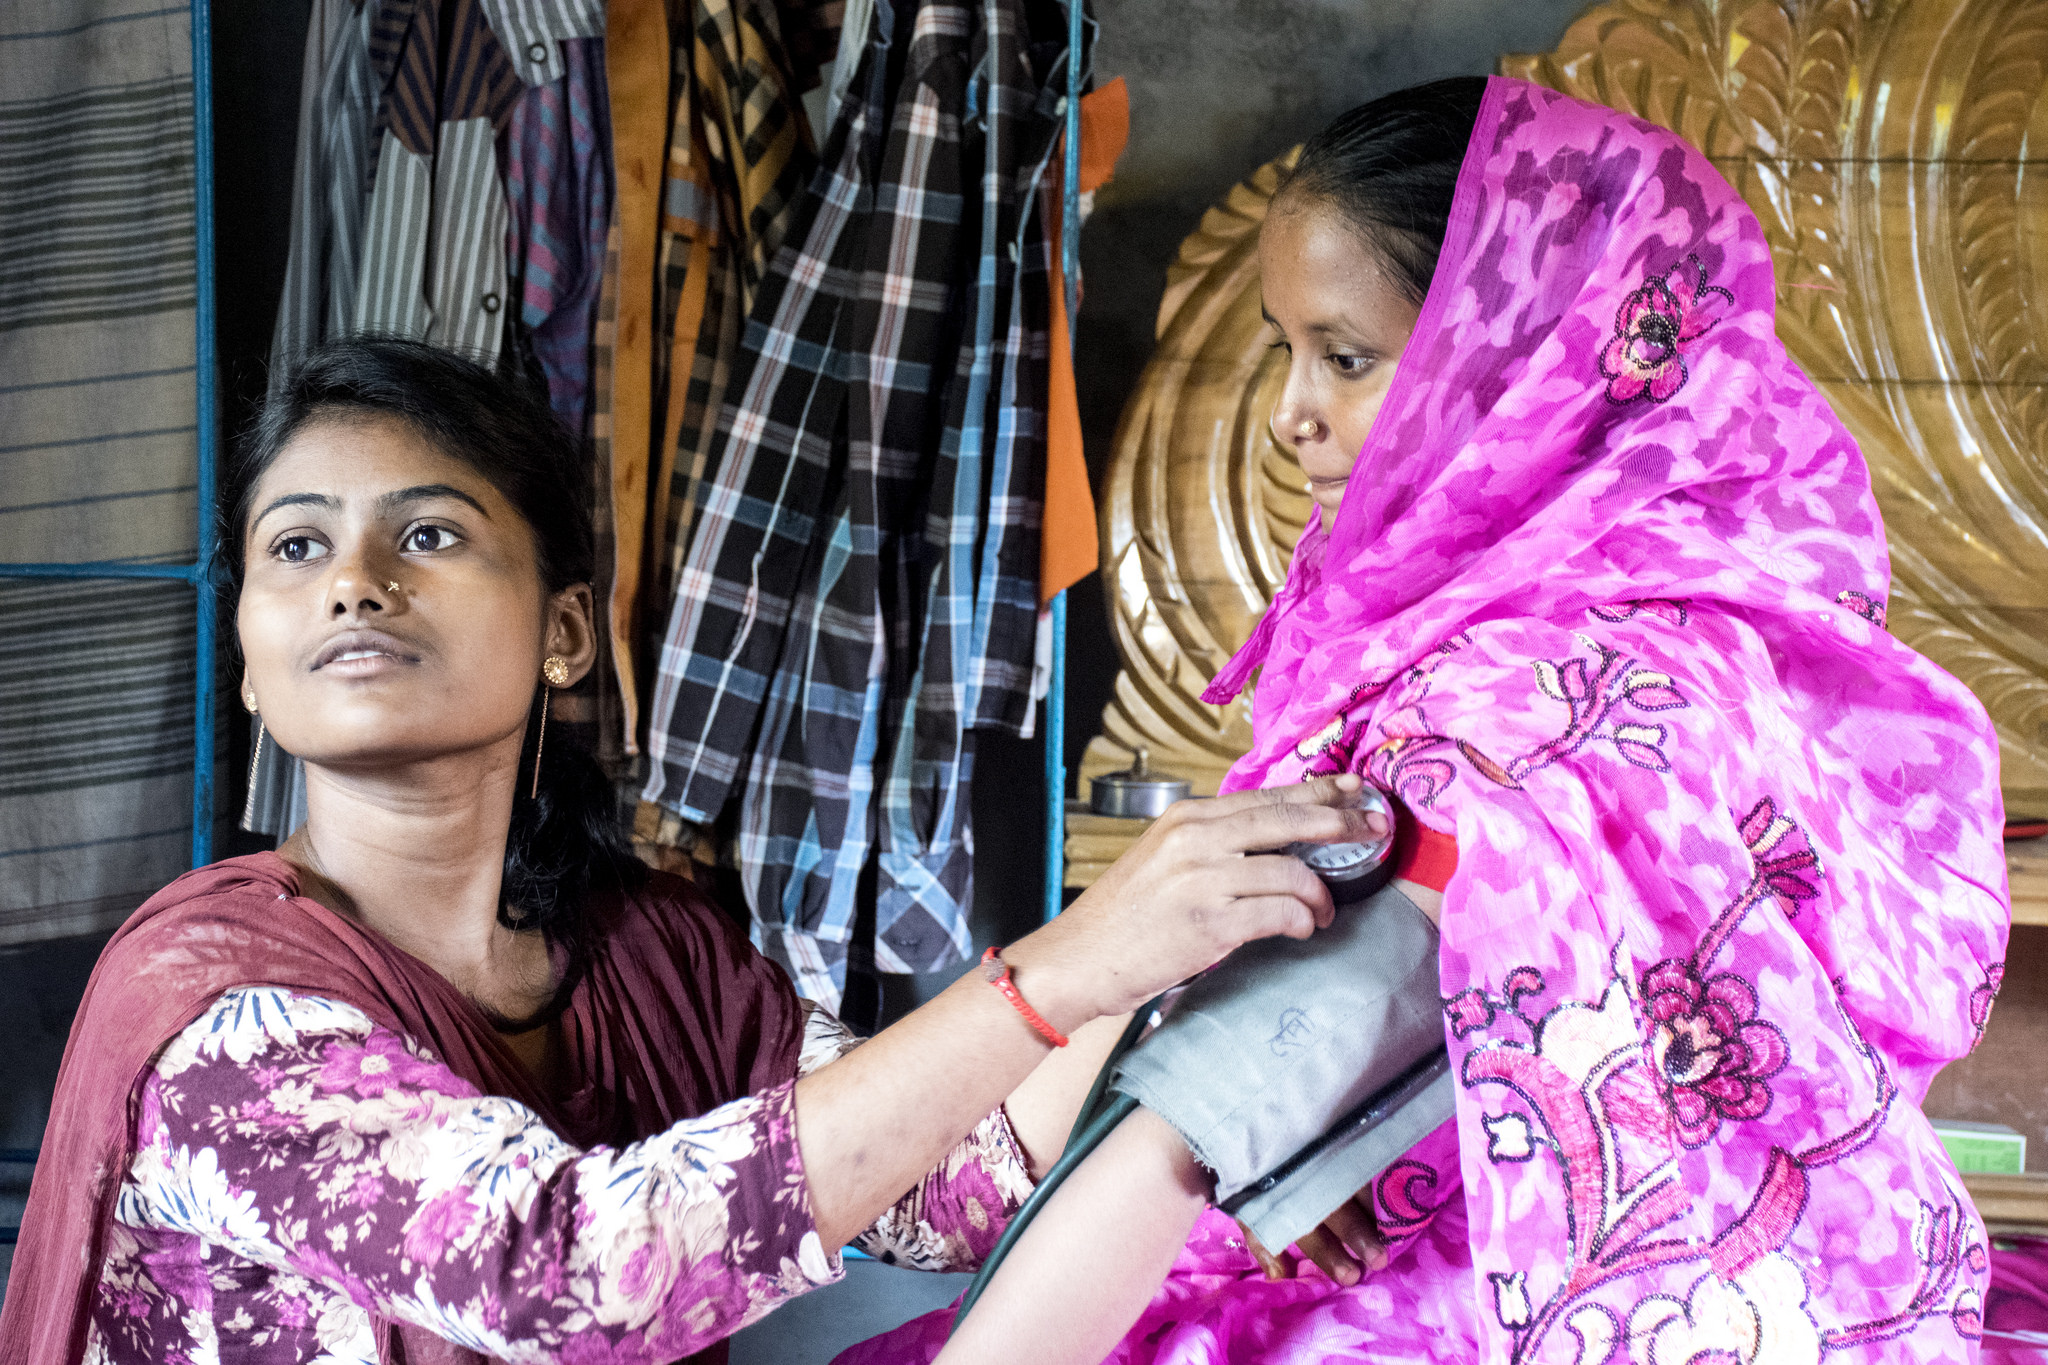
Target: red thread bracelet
{"x":996,"y":972}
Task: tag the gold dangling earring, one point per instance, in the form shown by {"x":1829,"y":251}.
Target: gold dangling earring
{"x":256,"y":749}
{"x":554,"y":671}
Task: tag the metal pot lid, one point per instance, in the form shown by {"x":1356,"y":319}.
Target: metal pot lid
{"x":1137,"y":791}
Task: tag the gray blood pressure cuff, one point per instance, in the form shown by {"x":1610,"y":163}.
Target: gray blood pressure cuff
{"x":1298,"y":1070}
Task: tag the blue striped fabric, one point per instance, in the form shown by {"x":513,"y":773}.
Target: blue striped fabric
{"x":330,"y":181}
{"x":559,"y":182}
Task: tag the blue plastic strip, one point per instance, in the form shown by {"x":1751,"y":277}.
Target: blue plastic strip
{"x":209,"y":428}
{"x":208,"y":401}
{"x":1056,"y":684}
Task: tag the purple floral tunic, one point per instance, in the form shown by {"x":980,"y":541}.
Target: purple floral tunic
{"x":298,"y":1168}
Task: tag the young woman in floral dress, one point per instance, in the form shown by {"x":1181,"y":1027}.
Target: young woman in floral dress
{"x":450,"y":1075}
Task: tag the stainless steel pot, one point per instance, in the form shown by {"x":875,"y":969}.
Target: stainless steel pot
{"x":1136,"y":793}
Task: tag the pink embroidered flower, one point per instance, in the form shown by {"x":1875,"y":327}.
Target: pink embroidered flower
{"x":1865,"y":607}
{"x":1783,"y":855}
{"x":1643,"y":745}
{"x":1649,"y":690}
{"x":1653,"y":328}
{"x":379,"y":1064}
{"x":1468,"y":1010}
{"x":1968,"y":1316}
{"x":1410,"y":769}
{"x":1981,"y":998}
{"x":1713,"y":1057}
{"x":437,"y":1226}
{"x":1333,"y":750}
{"x":1488,"y":769}
{"x":1672,"y":609}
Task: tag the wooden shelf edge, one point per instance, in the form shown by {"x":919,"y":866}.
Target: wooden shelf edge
{"x":2026,"y":871}
{"x":2010,"y":1203}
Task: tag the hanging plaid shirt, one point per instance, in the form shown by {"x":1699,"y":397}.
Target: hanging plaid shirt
{"x":846,"y":568}
{"x":980,"y":621}
{"x":740,"y":154}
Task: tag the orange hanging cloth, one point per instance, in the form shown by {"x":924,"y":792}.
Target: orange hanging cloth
{"x":1068,"y":548}
{"x":636,"y":50}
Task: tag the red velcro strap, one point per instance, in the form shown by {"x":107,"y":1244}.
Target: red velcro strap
{"x":1421,"y":855}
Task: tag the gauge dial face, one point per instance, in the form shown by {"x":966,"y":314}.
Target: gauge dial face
{"x":1344,"y":860}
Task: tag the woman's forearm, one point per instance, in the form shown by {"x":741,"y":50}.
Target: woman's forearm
{"x":1042,"y":1110}
{"x":872,"y":1123}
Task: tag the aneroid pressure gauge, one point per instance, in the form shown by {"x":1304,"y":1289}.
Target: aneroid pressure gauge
{"x":1353,"y":871}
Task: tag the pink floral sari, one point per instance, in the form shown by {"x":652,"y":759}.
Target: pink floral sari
{"x":1605,"y":600}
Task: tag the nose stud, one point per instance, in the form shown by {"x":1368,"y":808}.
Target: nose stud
{"x":393,"y":588}
{"x":1306,"y":429}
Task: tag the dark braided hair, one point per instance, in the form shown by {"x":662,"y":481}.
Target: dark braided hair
{"x":569,"y":840}
{"x":1391,"y":168}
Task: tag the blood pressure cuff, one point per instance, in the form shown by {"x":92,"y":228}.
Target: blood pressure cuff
{"x":1298,"y":1070}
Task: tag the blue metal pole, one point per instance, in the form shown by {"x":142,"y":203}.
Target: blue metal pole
{"x":1056,"y":685}
{"x":208,"y":400}
{"x":1056,"y":762}
{"x":182,"y":573}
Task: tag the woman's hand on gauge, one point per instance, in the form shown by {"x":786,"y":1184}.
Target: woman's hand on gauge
{"x":1197,"y":884}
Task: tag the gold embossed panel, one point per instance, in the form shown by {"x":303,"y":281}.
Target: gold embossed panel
{"x":1894,"y":153}
{"x":1884,"y":147}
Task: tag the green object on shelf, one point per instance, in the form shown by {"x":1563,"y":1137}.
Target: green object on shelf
{"x":1984,"y":1148}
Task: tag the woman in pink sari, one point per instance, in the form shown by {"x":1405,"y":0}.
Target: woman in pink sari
{"x":1599,"y":592}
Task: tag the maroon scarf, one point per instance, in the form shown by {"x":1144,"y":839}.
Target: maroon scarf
{"x":675,"y":1014}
